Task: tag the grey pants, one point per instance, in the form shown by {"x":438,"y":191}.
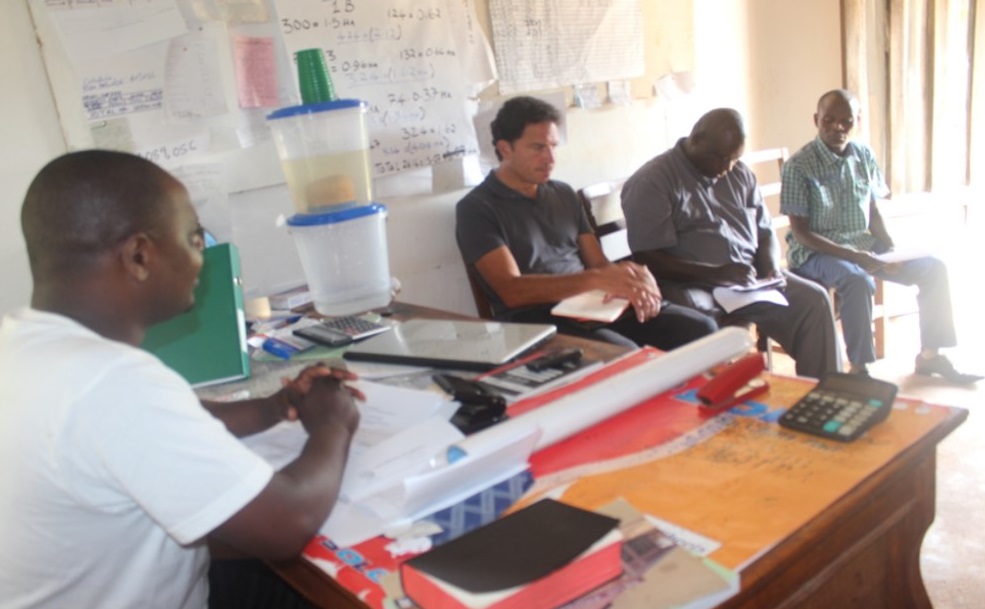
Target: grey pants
{"x":855,"y":288}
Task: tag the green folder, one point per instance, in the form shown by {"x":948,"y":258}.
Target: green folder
{"x":207,"y":345}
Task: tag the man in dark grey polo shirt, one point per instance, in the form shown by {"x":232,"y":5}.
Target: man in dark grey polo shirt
{"x":697,"y":220}
{"x":529,"y":241}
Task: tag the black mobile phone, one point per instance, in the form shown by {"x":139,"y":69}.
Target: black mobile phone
{"x":557,"y":359}
{"x":323,"y":335}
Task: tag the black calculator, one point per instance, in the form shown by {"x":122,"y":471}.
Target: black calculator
{"x":841,"y":407}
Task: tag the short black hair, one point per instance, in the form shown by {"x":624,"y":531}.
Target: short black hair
{"x":718,"y":124}
{"x":83,"y":203}
{"x":516,"y":114}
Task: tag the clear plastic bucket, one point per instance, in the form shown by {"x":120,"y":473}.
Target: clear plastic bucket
{"x":324,"y":153}
{"x":344,"y":258}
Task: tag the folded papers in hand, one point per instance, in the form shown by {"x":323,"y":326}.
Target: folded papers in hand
{"x":543,"y":555}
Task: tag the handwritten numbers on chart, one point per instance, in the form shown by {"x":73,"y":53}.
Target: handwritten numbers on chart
{"x":408,"y":61}
{"x":420,"y":14}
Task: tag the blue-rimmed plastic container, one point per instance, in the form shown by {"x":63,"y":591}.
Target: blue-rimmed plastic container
{"x":344,"y":258}
{"x":324,"y":153}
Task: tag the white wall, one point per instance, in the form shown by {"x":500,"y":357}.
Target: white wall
{"x":794,"y":57}
{"x":606,"y":143}
{"x":31,"y":137}
{"x":721,"y":54}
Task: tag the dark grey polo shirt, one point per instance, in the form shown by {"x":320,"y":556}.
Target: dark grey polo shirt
{"x":542,"y":233}
{"x":669,"y":205}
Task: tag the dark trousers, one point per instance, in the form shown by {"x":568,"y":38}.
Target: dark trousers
{"x":673,"y":327}
{"x":250,"y":584}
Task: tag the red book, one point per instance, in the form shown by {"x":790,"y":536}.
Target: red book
{"x":539,"y":557}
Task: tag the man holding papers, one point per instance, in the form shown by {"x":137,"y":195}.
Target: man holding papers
{"x":529,"y":241}
{"x":697,"y":220}
{"x":830,"y":190}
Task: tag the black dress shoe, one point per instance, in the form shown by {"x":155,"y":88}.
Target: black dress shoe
{"x":941,"y":366}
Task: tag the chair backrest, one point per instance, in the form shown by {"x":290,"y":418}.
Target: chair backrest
{"x":482,"y":307}
{"x":767,"y":164}
{"x":603,"y":205}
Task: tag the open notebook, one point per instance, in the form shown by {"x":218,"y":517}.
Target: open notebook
{"x":469,"y":345}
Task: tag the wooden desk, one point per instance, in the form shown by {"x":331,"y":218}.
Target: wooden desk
{"x":861,"y":548}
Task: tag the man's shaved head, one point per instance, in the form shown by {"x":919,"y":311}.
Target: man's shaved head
{"x":836,"y":119}
{"x":837,"y":95}
{"x":720,"y":123}
{"x":716,"y":142}
{"x":83,"y":203}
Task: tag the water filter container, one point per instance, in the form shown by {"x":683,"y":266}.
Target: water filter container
{"x":324,"y":153}
{"x":344,"y":258}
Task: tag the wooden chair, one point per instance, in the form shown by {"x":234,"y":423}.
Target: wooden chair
{"x":767,"y":164}
{"x":482,"y":307}
{"x":768,"y":178}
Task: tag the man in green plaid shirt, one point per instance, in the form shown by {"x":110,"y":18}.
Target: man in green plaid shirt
{"x":830,"y":189}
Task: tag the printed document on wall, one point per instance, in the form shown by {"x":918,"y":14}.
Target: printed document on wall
{"x":94,"y":30}
{"x":552,"y":44}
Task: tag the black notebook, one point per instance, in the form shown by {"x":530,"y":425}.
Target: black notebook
{"x":542,"y":555}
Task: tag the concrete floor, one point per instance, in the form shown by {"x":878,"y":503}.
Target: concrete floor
{"x":953,"y":553}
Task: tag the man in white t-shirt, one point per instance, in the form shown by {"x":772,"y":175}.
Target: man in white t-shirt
{"x":112,"y":472}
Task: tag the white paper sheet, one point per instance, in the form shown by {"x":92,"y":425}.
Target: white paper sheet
{"x":731,"y":299}
{"x":114,"y":27}
{"x":417,"y":496}
{"x":502,"y":450}
{"x":374,"y":468}
{"x":386,"y":411}
{"x":903,"y":254}
{"x":546,"y":45}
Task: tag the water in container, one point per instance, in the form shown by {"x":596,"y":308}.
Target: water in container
{"x":344,"y":257}
{"x":324,"y":153}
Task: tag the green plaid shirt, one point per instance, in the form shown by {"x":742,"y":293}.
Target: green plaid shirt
{"x":834,"y":192}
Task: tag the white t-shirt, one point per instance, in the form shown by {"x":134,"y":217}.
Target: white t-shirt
{"x":111,"y":473}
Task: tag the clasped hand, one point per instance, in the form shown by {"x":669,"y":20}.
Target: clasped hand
{"x":635,"y":283}
{"x":318,"y":395}
{"x":872,"y":264}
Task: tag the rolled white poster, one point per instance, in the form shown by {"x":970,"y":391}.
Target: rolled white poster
{"x":581,"y":409}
